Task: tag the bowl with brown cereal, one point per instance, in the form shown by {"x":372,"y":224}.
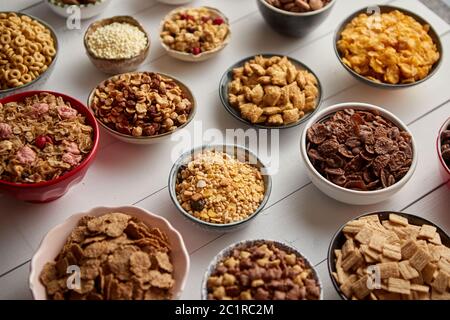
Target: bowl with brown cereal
{"x":270,"y":92}
{"x":388,"y":47}
{"x":86,"y":8}
{"x":48,"y":141}
{"x":443,"y":149}
{"x":195,"y":34}
{"x":390,"y":256}
{"x":142,"y":107}
{"x":219,"y":187}
{"x":358,"y":153}
{"x":261,"y":270}
{"x":117,"y":45}
{"x":28,"y":52}
{"x":121,"y":253}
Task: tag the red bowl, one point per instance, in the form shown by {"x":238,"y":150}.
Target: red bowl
{"x":51,"y":190}
{"x":445,"y":171}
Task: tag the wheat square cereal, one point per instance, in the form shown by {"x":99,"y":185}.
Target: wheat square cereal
{"x":407,"y":271}
{"x":388,"y":270}
{"x":359,"y":288}
{"x":427,"y":232}
{"x":440,"y":283}
{"x":420,"y":259}
{"x":397,"y":285}
{"x":396,"y":219}
{"x":408,"y":249}
{"x":364,"y":235}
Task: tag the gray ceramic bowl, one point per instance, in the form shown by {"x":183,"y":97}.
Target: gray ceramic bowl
{"x":43,"y":77}
{"x":241,"y":154}
{"x":339,"y":239}
{"x":385,"y":9}
{"x":293,"y":24}
{"x":245,"y":244}
{"x":228,"y":77}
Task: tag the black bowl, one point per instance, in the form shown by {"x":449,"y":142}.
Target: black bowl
{"x":339,"y":239}
{"x":293,"y":24}
{"x":385,"y":9}
{"x":228,"y":77}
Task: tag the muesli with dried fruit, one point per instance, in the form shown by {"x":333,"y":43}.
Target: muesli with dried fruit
{"x":195,"y":30}
{"x":141,"y":104}
{"x":120,"y":258}
{"x":273,"y":91}
{"x":360,"y":150}
{"x":41,"y":138}
{"x":263,"y":271}
{"x":445,"y":146}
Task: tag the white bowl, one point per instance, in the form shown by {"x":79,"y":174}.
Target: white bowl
{"x":53,"y":242}
{"x":175,"y":2}
{"x":189,"y":57}
{"x":347,"y":195}
{"x":87,"y":11}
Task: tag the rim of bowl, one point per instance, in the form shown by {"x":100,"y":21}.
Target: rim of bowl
{"x":188,"y":155}
{"x":64,"y":5}
{"x":109,"y":21}
{"x":114,"y":132}
{"x":245,"y":243}
{"x":432,"y":33}
{"x":47,"y":238}
{"x":360,"y":106}
{"x":298,"y":14}
{"x":91,"y":121}
{"x":223,"y":86}
{"x":225,"y":42}
{"x":330,"y":253}
{"x":439,"y":144}
{"x":49,"y":67}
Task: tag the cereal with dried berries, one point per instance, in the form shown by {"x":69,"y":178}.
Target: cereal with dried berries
{"x":273,"y":91}
{"x":360,"y":150}
{"x":218,"y":188}
{"x":445,"y":146}
{"x":263,"y":271}
{"x":41,"y":138}
{"x":195,"y":30}
{"x":141,"y":104}
{"x":120,"y":258}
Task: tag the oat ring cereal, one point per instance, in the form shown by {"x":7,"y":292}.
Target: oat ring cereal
{"x":26,"y":78}
{"x":14,"y":74}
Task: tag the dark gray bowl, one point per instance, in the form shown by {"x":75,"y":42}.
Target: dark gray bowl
{"x":228,"y":77}
{"x":385,"y":9}
{"x":339,"y":239}
{"x":291,"y":23}
{"x":43,"y":77}
{"x":240,"y":153}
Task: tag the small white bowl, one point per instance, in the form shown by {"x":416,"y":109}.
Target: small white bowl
{"x":347,"y":195}
{"x":53,"y":242}
{"x":189,"y":57}
{"x":174,"y":2}
{"x":87,"y":11}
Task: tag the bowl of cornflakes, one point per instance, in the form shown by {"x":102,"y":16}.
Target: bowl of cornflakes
{"x":120,"y":253}
{"x":48,"y":140}
{"x":388,"y":47}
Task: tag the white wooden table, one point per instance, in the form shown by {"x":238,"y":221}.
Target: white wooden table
{"x":297,"y":212}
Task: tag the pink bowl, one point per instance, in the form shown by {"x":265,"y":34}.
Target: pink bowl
{"x":445,"y":171}
{"x":51,"y":190}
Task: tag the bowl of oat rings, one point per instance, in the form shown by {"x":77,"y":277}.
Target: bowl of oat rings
{"x":219,"y":187}
{"x":28,"y":53}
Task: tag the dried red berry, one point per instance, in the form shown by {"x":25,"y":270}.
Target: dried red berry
{"x":196,"y":51}
{"x":41,"y":142}
{"x":183,"y":16}
{"x":218,"y":21}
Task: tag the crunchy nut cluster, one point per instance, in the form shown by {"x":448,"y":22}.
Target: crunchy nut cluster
{"x":263,"y":271}
{"x":445,"y":146}
{"x":120,"y":258}
{"x":273,"y":91}
{"x":141,"y":104}
{"x":391,"y":48}
{"x":299,"y":5}
{"x":195,"y":30}
{"x":411,"y":260}
{"x":360,"y":150}
{"x":41,"y":139}
{"x":217,"y":188}
{"x":27,"y":49}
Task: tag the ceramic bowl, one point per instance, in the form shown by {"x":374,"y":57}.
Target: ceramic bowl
{"x":87,"y":11}
{"x":445,"y":170}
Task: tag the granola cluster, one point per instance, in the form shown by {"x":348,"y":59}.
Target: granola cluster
{"x":41,"y":138}
{"x":360,"y":150}
{"x":141,"y":104}
{"x":273,"y":91}
{"x":195,"y":30}
{"x":218,"y":188}
{"x":263,"y":271}
{"x":410,"y":260}
{"x":120,"y":258}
